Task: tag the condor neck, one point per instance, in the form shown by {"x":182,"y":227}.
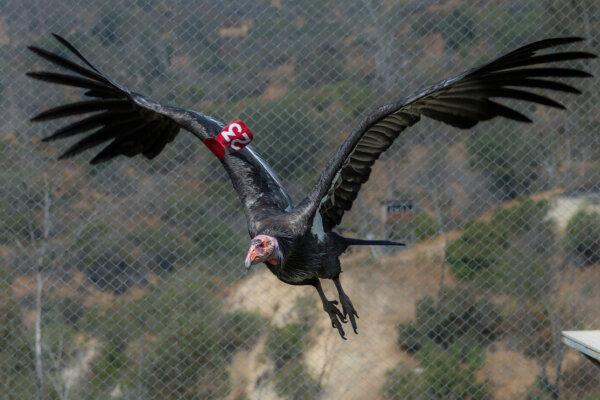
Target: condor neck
{"x":277,"y":257}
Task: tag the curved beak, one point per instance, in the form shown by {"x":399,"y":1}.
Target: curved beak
{"x":250,"y":258}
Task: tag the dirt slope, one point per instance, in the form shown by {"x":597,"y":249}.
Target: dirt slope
{"x":385,"y":291}
{"x":384,"y":294}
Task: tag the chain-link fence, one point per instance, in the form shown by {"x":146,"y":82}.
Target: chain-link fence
{"x":125,"y":280}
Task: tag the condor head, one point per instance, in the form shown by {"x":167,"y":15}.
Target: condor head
{"x":263,"y":248}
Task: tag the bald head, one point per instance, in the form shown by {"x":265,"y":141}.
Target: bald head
{"x":263,"y":248}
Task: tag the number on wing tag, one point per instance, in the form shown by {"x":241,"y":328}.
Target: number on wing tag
{"x":234,"y":136}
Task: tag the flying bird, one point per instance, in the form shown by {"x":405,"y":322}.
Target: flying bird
{"x":297,"y":241}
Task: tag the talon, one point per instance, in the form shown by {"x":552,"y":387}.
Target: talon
{"x":349,"y":310}
{"x":335,"y":315}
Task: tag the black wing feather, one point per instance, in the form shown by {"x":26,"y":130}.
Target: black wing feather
{"x":530,"y":49}
{"x":73,"y":50}
{"x":67,"y":64}
{"x":92,"y":122}
{"x":72,"y":80}
{"x":461,"y":101}
{"x":103,"y":135}
{"x":85,"y":107}
{"x":131,"y":124}
{"x":116,"y":117}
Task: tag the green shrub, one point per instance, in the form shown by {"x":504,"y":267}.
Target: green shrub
{"x":285,"y":344}
{"x":11,"y":329}
{"x":187,"y":362}
{"x":16,"y":350}
{"x":241,"y":330}
{"x":527,"y":218}
{"x":519,"y":272}
{"x":409,"y":338}
{"x":402,"y":383}
{"x":306,"y":311}
{"x":356,"y":98}
{"x":450,"y":374}
{"x":457,"y":317}
{"x":13,"y":225}
{"x":582,"y":240}
{"x":21,"y":200}
{"x":111,"y":26}
{"x":200,"y":221}
{"x":425,"y":226}
{"x":530,"y":16}
{"x":457,"y":27}
{"x":579,"y":381}
{"x":479,"y":247}
{"x":541,"y":390}
{"x":422,"y":227}
{"x":116,"y":261}
{"x":161,"y":248}
{"x":104,"y":257}
{"x":511,"y":159}
{"x":509,"y":253}
{"x":583,"y":178}
{"x":293,"y":382}
{"x":112,"y":323}
{"x":110,"y":365}
{"x":446,"y":374}
{"x":175,"y":340}
{"x":307,"y":123}
{"x":183,"y":293}
{"x":60,"y":349}
{"x":412,"y":336}
{"x":66,"y":310}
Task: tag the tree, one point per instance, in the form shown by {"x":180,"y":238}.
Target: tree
{"x":510,"y":158}
{"x":16,"y":356}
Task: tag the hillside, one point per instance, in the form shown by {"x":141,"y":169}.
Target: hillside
{"x":386,"y":291}
{"x":131,"y":272}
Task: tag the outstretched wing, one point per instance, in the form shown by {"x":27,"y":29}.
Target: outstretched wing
{"x":461,"y":101}
{"x":129,"y":124}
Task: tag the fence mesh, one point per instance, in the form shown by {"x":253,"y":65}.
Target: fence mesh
{"x":125,"y":280}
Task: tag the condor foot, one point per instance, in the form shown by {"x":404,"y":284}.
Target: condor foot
{"x":349,"y":312}
{"x":336,"y":317}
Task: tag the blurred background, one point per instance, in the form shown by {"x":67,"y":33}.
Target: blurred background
{"x":126,"y":281}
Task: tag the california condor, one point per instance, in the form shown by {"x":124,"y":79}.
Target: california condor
{"x":296,"y":240}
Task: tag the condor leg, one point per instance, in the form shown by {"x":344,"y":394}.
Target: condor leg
{"x":330,"y":308}
{"x":347,"y":305}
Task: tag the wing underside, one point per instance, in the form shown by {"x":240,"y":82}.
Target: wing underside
{"x":461,"y":101}
{"x":122,"y":122}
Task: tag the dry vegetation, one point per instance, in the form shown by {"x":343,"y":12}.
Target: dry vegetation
{"x":143,"y":293}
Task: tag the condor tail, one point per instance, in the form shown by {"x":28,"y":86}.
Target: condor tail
{"x":362,"y":242}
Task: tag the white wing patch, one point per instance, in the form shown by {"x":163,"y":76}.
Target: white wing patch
{"x":273,"y":176}
{"x":317,"y":227}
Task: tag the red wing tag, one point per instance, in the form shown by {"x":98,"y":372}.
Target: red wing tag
{"x":235,"y":136}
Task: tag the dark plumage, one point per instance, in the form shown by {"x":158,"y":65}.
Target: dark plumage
{"x":296,"y":241}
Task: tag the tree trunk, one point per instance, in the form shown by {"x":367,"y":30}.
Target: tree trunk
{"x":39,"y":370}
